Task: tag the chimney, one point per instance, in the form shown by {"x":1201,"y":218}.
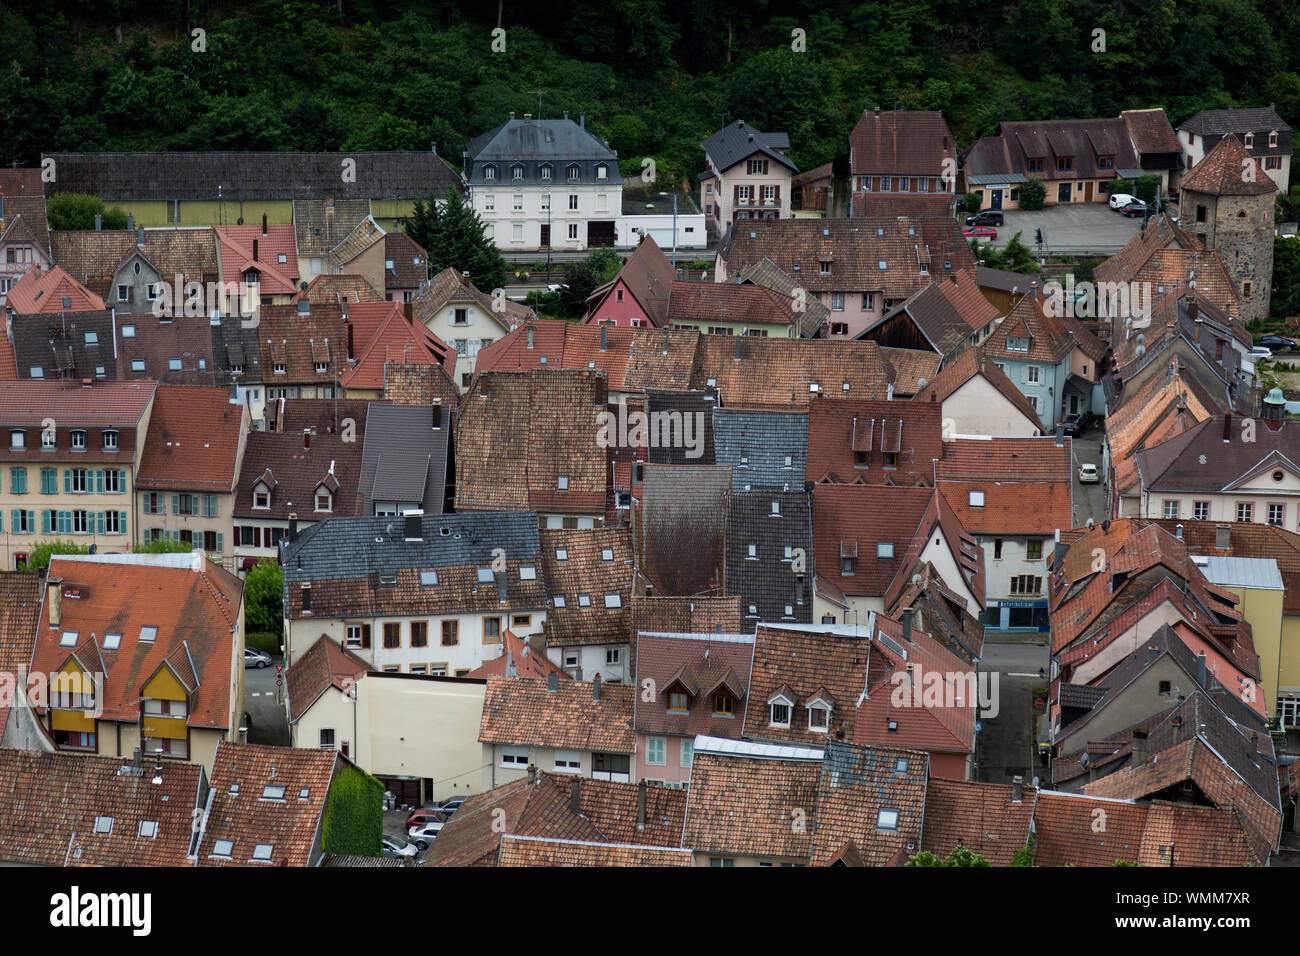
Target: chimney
{"x":306,"y":438}
{"x":54,"y":598}
{"x":530,"y":336}
{"x":408,"y":311}
{"x":1139,"y":749}
{"x":737,"y":348}
{"x":532,"y":773}
{"x":139,"y":237}
{"x":255,"y":259}
{"x":264,"y":224}
{"x":130,"y":222}
{"x":640,"y":804}
{"x":528,"y":116}
{"x":907,"y":625}
{"x":501,"y":586}
{"x":436,"y":408}
{"x":136,"y":762}
{"x":1200,"y":669}
{"x":1060,"y":436}
{"x":293,"y":525}
{"x":1033,"y":287}
{"x":582,"y":120}
{"x":99,"y":223}
{"x":552,"y":682}
{"x":1222,"y":536}
{"x":575,"y":795}
{"x":348,"y":328}
{"x":595,"y":687}
{"x":604,"y":337}
{"x":1017,"y":789}
{"x":1227,"y":425}
{"x":512,"y":114}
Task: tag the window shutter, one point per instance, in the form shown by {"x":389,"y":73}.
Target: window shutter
{"x":121,"y":522}
{"x":176,"y":504}
{"x":777,"y":194}
{"x":365,"y":635}
{"x":220,"y":545}
{"x":99,"y":481}
{"x":2,"y":522}
{"x":99,"y":522}
{"x":67,"y":481}
{"x":17,"y":522}
{"x":735,"y":196}
{"x":237,"y":539}
{"x":31,"y":520}
{"x":121,"y":481}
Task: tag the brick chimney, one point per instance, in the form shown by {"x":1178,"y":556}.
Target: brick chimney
{"x":54,"y":598}
{"x":575,"y":794}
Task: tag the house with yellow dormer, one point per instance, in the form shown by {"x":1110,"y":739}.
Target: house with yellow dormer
{"x":140,"y":650}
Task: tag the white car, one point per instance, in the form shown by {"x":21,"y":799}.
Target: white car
{"x":397,"y":848}
{"x":1261,"y":351}
{"x":1088,"y":474}
{"x":423,"y":835}
{"x":1120,"y":200}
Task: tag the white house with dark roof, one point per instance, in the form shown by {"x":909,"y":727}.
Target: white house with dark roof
{"x":747,"y":176}
{"x":544,"y":183}
{"x":1265,"y":135}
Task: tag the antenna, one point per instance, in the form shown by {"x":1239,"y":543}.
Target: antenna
{"x":539,"y":101}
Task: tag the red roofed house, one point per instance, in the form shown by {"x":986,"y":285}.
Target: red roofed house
{"x":24,"y":232}
{"x":265,"y":258}
{"x":1012,"y":495}
{"x":906,"y":153}
{"x":192,"y":456}
{"x":395,"y":339}
{"x":151,"y":648}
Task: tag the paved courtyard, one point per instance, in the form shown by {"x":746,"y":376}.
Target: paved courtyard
{"x":1074,"y":228}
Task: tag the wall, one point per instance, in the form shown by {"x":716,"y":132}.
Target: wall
{"x":592,"y":660}
{"x":596,"y":202}
{"x":691,"y":232}
{"x":672,"y":770}
{"x":977,"y":408}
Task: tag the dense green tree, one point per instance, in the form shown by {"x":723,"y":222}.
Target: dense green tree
{"x":264,"y":598}
{"x":78,"y":211}
{"x":38,"y":556}
{"x":453,"y":236}
{"x":1032,"y":193}
{"x":960,"y":856}
{"x":1286,"y":277}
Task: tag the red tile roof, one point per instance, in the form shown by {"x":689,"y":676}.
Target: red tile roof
{"x":1228,"y":170}
{"x":840,"y":430}
{"x":965,"y":367}
{"x":195,"y":440}
{"x":852,"y":521}
{"x":396,"y":339}
{"x":323,"y":665}
{"x":1150,"y":131}
{"x":718,"y":302}
{"x":523,"y":712}
{"x":647,"y":275}
{"x":912,"y":142}
{"x":541,"y":851}
{"x":517,"y":654}
{"x":985,"y":818}
{"x":694,"y":664}
{"x":44,"y":292}
{"x":585,"y":570}
{"x":277,"y":278}
{"x":1026,"y":482}
{"x":1075,"y":829}
{"x":301,"y":343}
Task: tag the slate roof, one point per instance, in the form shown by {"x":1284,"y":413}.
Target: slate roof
{"x":300,"y":343}
{"x":914,"y":142}
{"x":693,"y":663}
{"x":842,"y":429}
{"x":323,"y":665}
{"x":780,"y":373}
{"x":24,"y":198}
{"x":756,"y":444}
{"x":852,"y":521}
{"x":193,"y":603}
{"x":545,"y":422}
{"x":320,"y":226}
{"x":291,"y":825}
{"x":235,"y":176}
{"x":698,"y":427}
{"x":50,"y":803}
{"x":540,"y":851}
{"x":1258,"y":120}
{"x":854,"y":247}
{"x":681,"y":527}
{"x":194,"y":440}
{"x":522,"y":712}
{"x":738,"y":141}
{"x":297,"y":472}
{"x":1027,"y":484}
{"x":532,"y":141}
{"x":1222,"y":173}
{"x":965,"y":367}
{"x":404,"y":458}
{"x":597,"y":562}
{"x":770,"y":581}
{"x":236,"y":347}
{"x":985,"y":818}
{"x":1175,"y":465}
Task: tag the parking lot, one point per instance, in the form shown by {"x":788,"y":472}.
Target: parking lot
{"x":1091,"y":227}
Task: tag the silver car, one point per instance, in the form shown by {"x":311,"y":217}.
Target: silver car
{"x":397,"y":848}
{"x":255,"y":658}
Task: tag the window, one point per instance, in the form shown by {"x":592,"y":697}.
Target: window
{"x":1277,"y":515}
{"x":568,"y":761}
{"x":78,"y":440}
{"x":687,"y":751}
{"x":1026,"y":584}
{"x":559,"y":600}
{"x":997,"y":549}
{"x":677,"y":701}
{"x":1064,"y":163}
{"x":262,"y":852}
{"x":516,"y":757}
{"x":573,"y":202}
{"x":450,"y":633}
{"x":882,"y":265}
{"x":656,"y":751}
{"x":1272,"y":162}
{"x":819,"y":718}
{"x":612,"y":655}
{"x":584,"y":600}
{"x":392,"y":634}
{"x":521,"y":621}
{"x":419,"y":633}
{"x":721,"y":861}
{"x":723,"y":704}
{"x":885,"y":550}
{"x":613,"y":600}
{"x":1245,"y":511}
{"x":272,"y":792}
{"x":17,"y":439}
{"x":1031,"y":374}
{"x":148,"y":829}
{"x":49,"y":481}
{"x":848,"y":564}
{"x":353,"y":635}
{"x":1033,"y":550}
{"x":779,"y":713}
{"x":837,"y":301}
{"x":1201,"y":510}
{"x":1170,"y":509}
{"x":887,"y":819}
{"x":562,"y":482}
{"x":1166,"y":688}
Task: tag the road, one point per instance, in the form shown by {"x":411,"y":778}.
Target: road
{"x":1090,"y":500}
{"x":269,"y":724}
{"x":1006,"y":746}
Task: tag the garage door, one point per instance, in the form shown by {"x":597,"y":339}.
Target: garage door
{"x":406,"y":789}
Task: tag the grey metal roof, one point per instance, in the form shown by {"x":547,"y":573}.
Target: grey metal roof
{"x":357,"y":547}
{"x":404,"y":458}
{"x":737,"y":141}
{"x":251,"y":176}
{"x":1230,"y":572}
{"x":755,"y":445}
{"x":989,"y":179}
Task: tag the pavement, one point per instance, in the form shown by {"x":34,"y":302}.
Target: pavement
{"x":1090,"y":500}
{"x":1091,"y":227}
{"x":268,"y":724}
{"x":1006,"y":745}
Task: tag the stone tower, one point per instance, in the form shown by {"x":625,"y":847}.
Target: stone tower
{"x":1226,"y":202}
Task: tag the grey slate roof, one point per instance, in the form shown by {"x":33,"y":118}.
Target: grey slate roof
{"x":733,"y":143}
{"x":768,"y":583}
{"x":56,"y":343}
{"x":1084,"y":696}
{"x":358,"y":547}
{"x":534,"y":142}
{"x":232,"y":345}
{"x":251,"y":176}
{"x":755,"y":445}
{"x":682,"y":527}
{"x":699,"y":405}
{"x":1261,"y":122}
{"x":404,"y":458}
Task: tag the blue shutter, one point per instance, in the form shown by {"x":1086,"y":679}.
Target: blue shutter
{"x":17,"y":522}
{"x":47,"y":521}
{"x":67,"y":481}
{"x":99,"y":521}
{"x":220,"y":544}
{"x":99,"y":481}
{"x":121,"y":519}
{"x":121,"y":480}
{"x":176,"y":504}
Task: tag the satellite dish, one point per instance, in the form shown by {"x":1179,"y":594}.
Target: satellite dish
{"x":920,"y":383}
{"x":239,"y":221}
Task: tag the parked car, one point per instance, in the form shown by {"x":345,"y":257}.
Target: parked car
{"x":448,"y":807}
{"x":256,"y":658}
{"x":1120,"y":200}
{"x":397,"y":848}
{"x":428,"y":815}
{"x":1088,"y":474}
{"x":1277,"y":342}
{"x":1261,"y":352}
{"x":989,"y":217}
{"x":1073,"y":425}
{"x":423,"y":836}
{"x":1136,"y":208}
{"x":981,"y":232}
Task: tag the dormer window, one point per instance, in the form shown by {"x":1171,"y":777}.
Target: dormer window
{"x":517,"y":171}
{"x":545,"y":172}
{"x":562,"y":482}
{"x":322,"y":368}
{"x":1249,"y":139}
{"x":819,"y":716}
{"x":324,"y":500}
{"x":678,"y":702}
{"x":78,"y":438}
{"x":110,"y":441}
{"x":489,"y":172}
{"x":573,"y":172}
{"x":261,"y":496}
{"x":778,"y":711}
{"x":602,"y":171}
{"x":1272,"y":140}
{"x":724,"y":705}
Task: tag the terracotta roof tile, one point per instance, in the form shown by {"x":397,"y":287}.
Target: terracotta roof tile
{"x":693,"y":663}
{"x":540,"y":851}
{"x":412,"y":384}
{"x":911,"y":368}
{"x":1224,"y":172}
{"x":518,"y":654}
{"x":194,"y":440}
{"x":410,"y":262}
{"x":94,"y":256}
{"x":352,"y":289}
{"x":49,"y":292}
{"x":247,"y":247}
{"x":523,"y":712}
{"x":597,"y":563}
{"x":1026,"y":484}
{"x":323,"y":665}
{"x":312,"y":348}
{"x":965,"y":367}
{"x":686,"y":615}
{"x":1074,"y":829}
{"x":1195,"y":836}
{"x":914,"y":142}
{"x":849,"y":441}
{"x":296,"y":472}
{"x":1150,"y":131}
{"x":859,"y":787}
{"x":681,"y":528}
{"x":861,"y":522}
{"x":985,"y":818}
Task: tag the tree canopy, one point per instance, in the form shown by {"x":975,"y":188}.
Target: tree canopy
{"x":453,"y":236}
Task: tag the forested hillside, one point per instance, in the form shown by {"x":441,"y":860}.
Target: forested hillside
{"x":654,"y":77}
